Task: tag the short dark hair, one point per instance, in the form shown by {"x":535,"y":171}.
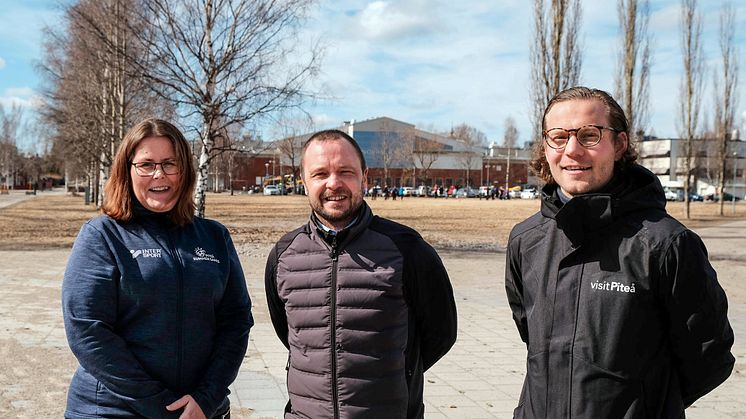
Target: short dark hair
{"x":118,"y":193}
{"x":332,"y":135}
{"x":617,"y":120}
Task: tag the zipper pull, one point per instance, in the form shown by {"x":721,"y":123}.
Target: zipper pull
{"x":333,"y":253}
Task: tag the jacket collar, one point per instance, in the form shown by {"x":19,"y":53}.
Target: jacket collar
{"x":631,"y":190}
{"x":359,"y":224}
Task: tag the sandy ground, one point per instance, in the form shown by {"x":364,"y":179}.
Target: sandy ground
{"x":36,"y":365}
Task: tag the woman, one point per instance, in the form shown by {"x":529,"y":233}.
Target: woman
{"x":154,"y":300}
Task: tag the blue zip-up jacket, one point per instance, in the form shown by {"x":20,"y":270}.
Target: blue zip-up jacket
{"x":153,"y":312}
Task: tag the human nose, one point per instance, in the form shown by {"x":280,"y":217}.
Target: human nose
{"x":158,"y":171}
{"x":573,"y":147}
{"x":333,"y":181}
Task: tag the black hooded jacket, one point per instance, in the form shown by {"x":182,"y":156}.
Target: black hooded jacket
{"x":618,"y":304}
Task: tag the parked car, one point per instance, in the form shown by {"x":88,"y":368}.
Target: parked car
{"x":408,"y":191}
{"x":673,"y":194}
{"x":726,"y":197}
{"x":529,"y":193}
{"x":514,"y":192}
{"x":694,"y":197}
{"x":484,"y":191}
{"x":466,"y":192}
{"x":271,"y":190}
{"x":421,"y":190}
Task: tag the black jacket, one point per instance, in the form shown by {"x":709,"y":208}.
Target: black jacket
{"x":363,"y":314}
{"x":618,"y":304}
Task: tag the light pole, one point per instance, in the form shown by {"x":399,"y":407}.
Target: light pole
{"x":735,"y":169}
{"x":273,"y":172}
{"x":488,"y":174}
{"x":266,"y":173}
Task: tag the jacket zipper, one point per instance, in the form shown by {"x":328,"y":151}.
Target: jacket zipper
{"x":179,"y":306}
{"x":333,"y":332}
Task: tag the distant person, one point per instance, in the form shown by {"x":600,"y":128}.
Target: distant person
{"x":363,"y":304}
{"x":620,"y":309}
{"x":154,"y":300}
{"x":394,"y":193}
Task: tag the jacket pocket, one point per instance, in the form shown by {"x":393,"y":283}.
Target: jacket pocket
{"x":532,"y":401}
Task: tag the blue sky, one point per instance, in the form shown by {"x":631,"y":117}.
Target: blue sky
{"x":435,"y":63}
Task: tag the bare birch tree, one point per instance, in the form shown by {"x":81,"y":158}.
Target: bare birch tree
{"x":388,"y":150}
{"x":225,"y":63}
{"x":633,"y":67}
{"x":556,"y":58}
{"x":10,"y":125}
{"x":690,"y":96}
{"x":725,"y":89}
{"x":292,"y":128}
{"x":472,"y":139}
{"x":510,"y":137}
{"x":92,"y":95}
{"x":425,"y":153}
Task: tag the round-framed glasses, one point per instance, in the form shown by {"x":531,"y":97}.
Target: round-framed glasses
{"x":587,"y":136}
{"x":148,"y":168}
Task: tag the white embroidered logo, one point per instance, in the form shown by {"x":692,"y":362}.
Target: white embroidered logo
{"x":146,"y":253}
{"x":203,"y":255}
{"x":613,"y":286}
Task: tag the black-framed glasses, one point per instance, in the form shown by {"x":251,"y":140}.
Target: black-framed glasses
{"x":587,"y":136}
{"x":148,"y":168}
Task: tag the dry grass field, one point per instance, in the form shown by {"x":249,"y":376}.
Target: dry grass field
{"x":53,"y":221}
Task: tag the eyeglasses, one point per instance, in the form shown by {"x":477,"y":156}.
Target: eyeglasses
{"x":148,"y":168}
{"x":587,"y":136}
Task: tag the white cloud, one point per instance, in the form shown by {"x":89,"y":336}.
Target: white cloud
{"x":388,"y":20}
{"x":24,"y":97}
{"x":439,"y":62}
{"x":2,"y":63}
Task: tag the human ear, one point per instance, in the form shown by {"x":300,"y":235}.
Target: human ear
{"x":620,"y":145}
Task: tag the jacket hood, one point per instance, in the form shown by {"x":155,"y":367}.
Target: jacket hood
{"x":634,"y":189}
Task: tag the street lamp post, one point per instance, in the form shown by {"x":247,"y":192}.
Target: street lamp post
{"x":273,"y":172}
{"x":266,"y":172}
{"x":488,"y":173}
{"x":507,"y":173}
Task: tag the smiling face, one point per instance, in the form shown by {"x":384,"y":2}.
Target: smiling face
{"x":576,"y":169}
{"x":158,"y":192}
{"x":334,"y":181}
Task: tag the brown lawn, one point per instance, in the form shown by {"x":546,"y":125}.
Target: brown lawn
{"x":53,"y":221}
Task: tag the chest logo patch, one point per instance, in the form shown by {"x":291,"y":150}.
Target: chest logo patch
{"x":201,"y":254}
{"x":613,"y":287}
{"x":146,"y":253}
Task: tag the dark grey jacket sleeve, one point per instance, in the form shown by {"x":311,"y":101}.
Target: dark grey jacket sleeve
{"x":701,"y":336}
{"x":89,"y":307}
{"x":274,"y":303}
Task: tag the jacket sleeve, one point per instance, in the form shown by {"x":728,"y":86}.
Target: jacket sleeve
{"x":234,"y":320}
{"x":431,"y":295}
{"x":514,"y":288}
{"x":275,"y":304}
{"x":701,"y":336}
{"x":89,"y":308}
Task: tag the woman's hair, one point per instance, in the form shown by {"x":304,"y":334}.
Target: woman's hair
{"x":617,"y":120}
{"x":118,"y":193}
